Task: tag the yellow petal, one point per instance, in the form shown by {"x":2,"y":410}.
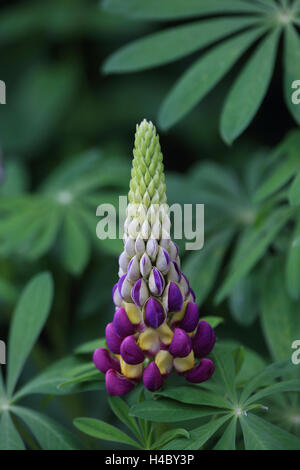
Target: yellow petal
{"x":133,"y":312}
{"x":178,"y":316}
{"x":164,"y":361}
{"x":149,"y":340}
{"x":182,"y":364}
{"x":130,"y":371}
{"x":165,"y":333}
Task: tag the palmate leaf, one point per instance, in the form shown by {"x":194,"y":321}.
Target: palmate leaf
{"x":280,"y":314}
{"x":261,"y":435}
{"x":102,"y":430}
{"x":198,"y":436}
{"x":169,"y":436}
{"x":171,"y":9}
{"x":253,"y":245}
{"x":292,"y":68}
{"x":227,"y":440}
{"x":248,"y":92}
{"x":75,"y":244}
{"x":249,"y":89}
{"x":174,"y":43}
{"x":292,"y":266}
{"x":49,"y":434}
{"x":29,"y":318}
{"x":122,"y":411}
{"x":10,"y":439}
{"x":203,"y":75}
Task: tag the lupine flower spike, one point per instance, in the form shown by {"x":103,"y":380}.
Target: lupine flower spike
{"x":156,"y":326}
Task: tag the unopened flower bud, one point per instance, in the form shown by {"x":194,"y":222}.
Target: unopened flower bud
{"x":134,"y":269}
{"x":145,"y":265}
{"x":152,"y":248}
{"x":174,"y":273}
{"x":156,"y":282}
{"x":123,"y":261}
{"x":125,"y":287}
{"x":140,"y":293}
{"x":163,"y":260}
{"x":117,"y":299}
{"x":172,"y":298}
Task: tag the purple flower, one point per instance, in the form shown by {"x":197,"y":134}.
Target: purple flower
{"x":140,"y":293}
{"x":122,"y":324}
{"x":173,"y":300}
{"x":156,"y":282}
{"x":131,"y":352}
{"x":191,"y":317}
{"x":104,"y":361}
{"x":201,"y":372}
{"x":152,"y":377}
{"x":181,"y":344}
{"x":154,"y":313}
{"x":113,"y":340}
{"x":204,"y":339}
{"x":117,"y":384}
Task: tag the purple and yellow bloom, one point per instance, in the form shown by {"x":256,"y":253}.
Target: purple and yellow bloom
{"x":156,"y":326}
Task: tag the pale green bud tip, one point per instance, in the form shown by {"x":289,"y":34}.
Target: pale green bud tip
{"x":147,"y":183}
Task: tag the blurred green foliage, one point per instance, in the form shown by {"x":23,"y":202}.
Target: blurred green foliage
{"x":66,"y":135}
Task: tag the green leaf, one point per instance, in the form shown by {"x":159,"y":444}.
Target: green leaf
{"x":292,"y":266}
{"x":122,"y":410}
{"x":169,"y":411}
{"x":76,"y":249}
{"x":244,"y":301}
{"x":213,"y":321}
{"x":195,"y":396}
{"x":198,"y":436}
{"x":88,"y":376}
{"x":225,"y":367}
{"x":45,"y":239}
{"x":291,"y":68}
{"x":294,"y":192}
{"x":90,"y":346}
{"x":49,"y":434}
{"x":165,"y":46}
{"x":248,"y":91}
{"x":202,"y":76}
{"x":102,"y":430}
{"x":169,"y":436}
{"x":254,"y":244}
{"x":227,"y":440}
{"x":10,"y":439}
{"x":171,"y":9}
{"x":265,"y":377}
{"x":280,"y":315}
{"x":287,"y":386}
{"x":202,"y":266}
{"x":48,"y":381}
{"x":28,"y":320}
{"x":239,"y":358}
{"x":289,"y":163}
{"x":261,"y":435}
